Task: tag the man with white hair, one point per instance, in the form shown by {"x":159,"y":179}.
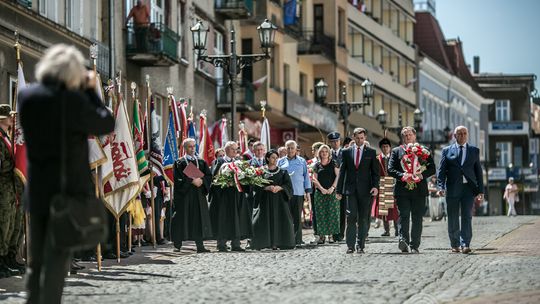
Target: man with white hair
{"x":191,"y":220}
{"x":296,"y":166}
{"x":226,"y":206}
{"x":460,"y":179}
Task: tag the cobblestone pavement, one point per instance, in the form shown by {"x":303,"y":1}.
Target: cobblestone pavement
{"x":501,"y":270}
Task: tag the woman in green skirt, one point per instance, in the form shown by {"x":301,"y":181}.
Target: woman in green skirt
{"x":325,"y":177}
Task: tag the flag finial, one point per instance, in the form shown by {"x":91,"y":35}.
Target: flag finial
{"x":170,"y":90}
{"x":17,"y":46}
{"x":263,"y":108}
{"x":133,"y":88}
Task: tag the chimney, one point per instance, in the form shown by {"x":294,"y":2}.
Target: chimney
{"x":476,"y":64}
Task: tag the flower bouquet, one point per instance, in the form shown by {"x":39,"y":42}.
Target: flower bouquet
{"x":311,"y":168}
{"x":414,"y":162}
{"x":240,"y":173}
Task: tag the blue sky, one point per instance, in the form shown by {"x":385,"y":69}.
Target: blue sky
{"x":505,"y":34}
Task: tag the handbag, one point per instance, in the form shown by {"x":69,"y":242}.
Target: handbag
{"x":77,"y":221}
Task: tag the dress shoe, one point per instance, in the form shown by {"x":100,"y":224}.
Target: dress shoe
{"x":350,"y":250}
{"x":415,"y":251}
{"x":403,"y":246}
{"x":161,"y":242}
{"x":466,"y":250}
{"x":360,"y":250}
{"x":8,"y":272}
{"x":222,"y":249}
{"x":455,"y":250}
{"x":239,"y":249}
{"x":386,"y":233}
{"x":75,"y":266}
{"x":202,"y":250}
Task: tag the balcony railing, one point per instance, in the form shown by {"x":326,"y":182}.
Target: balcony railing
{"x":244,"y":95}
{"x":102,"y":62}
{"x":152,"y":45}
{"x":234,"y":9}
{"x":313,"y":43}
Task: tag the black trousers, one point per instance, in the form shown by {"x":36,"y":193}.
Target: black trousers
{"x":411,"y":207}
{"x":358,"y":207}
{"x":48,"y":266}
{"x":295,"y":205}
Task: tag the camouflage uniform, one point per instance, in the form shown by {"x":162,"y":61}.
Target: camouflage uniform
{"x":8,"y":198}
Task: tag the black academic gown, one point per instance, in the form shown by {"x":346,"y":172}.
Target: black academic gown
{"x":272,"y":219}
{"x":225,"y":208}
{"x":191,"y":219}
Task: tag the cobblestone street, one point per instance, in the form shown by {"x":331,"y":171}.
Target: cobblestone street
{"x":504,"y":268}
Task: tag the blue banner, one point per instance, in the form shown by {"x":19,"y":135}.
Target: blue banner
{"x":289,"y":12}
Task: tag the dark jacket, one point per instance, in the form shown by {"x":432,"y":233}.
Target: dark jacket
{"x":362,"y":179}
{"x":451,"y":172}
{"x":396,"y":171}
{"x":40,"y":113}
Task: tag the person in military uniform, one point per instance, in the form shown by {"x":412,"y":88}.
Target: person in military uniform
{"x":8,"y":199}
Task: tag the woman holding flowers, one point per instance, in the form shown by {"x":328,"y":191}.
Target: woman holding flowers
{"x":410,"y":164}
{"x":327,"y":206}
{"x":272,"y":219}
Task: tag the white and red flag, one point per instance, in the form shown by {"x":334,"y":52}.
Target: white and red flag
{"x":123,"y":184}
{"x":19,"y":148}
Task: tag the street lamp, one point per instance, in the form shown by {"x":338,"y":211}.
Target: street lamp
{"x":418,"y":115}
{"x":344,"y":107}
{"x":382,"y":119}
{"x":233,"y":63}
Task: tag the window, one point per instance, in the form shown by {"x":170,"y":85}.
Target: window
{"x":74,"y":16}
{"x":218,"y":50}
{"x":341,"y":28}
{"x":505,"y":149}
{"x":181,"y":19}
{"x":303,"y":85}
{"x":48,"y":8}
{"x":12,"y":89}
{"x":274,"y":68}
{"x":502,"y":110}
{"x":286,"y":77}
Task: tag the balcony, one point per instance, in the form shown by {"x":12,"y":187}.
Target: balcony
{"x":317,"y":45}
{"x":508,"y":128}
{"x":244,"y":95}
{"x":25,"y":3}
{"x":234,"y":9}
{"x":156,"y":45}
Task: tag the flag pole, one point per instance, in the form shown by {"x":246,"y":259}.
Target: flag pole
{"x":93,"y":55}
{"x":117,"y":218}
{"x":150,"y":165}
{"x":172,"y":103}
{"x":17,"y":47}
{"x":263,"y":110}
{"x":130,"y":233}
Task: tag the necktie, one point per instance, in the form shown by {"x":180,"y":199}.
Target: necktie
{"x":460,"y":154}
{"x":357,"y":159}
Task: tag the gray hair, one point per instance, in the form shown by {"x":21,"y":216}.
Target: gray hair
{"x":63,"y":64}
{"x":229,"y":144}
{"x":187,"y":141}
{"x":258,"y":143}
{"x":359,"y":131}
{"x":291,"y":142}
{"x":408,"y":128}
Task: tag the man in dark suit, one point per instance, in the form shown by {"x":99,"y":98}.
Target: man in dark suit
{"x":411,"y":203}
{"x":358,"y":182}
{"x":460,"y":179}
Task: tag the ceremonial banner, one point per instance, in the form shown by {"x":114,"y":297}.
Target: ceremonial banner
{"x":206,"y":147}
{"x":265,"y":134}
{"x":18,"y":139}
{"x":170,"y":151}
{"x":96,"y":154}
{"x":218,"y":133}
{"x":181,"y":106}
{"x":242,"y":140}
{"x":138,"y":139}
{"x":156,"y":154}
{"x":123,"y":185}
{"x":191,"y":133}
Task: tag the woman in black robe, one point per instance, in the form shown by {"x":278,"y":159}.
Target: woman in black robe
{"x":272,"y":219}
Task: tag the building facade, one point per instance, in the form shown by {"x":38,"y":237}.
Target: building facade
{"x":512,"y":149}
{"x":448,"y":94}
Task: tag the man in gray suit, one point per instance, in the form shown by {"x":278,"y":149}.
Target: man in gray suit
{"x":460,"y":179}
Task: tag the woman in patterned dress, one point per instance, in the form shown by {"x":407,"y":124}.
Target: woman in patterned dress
{"x":325,"y":177}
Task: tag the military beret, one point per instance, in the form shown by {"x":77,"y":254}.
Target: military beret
{"x":5,"y":111}
{"x":384,"y":141}
{"x":333,"y":136}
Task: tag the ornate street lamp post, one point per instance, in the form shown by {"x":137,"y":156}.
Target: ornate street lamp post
{"x":344,"y":107}
{"x":233,"y":63}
